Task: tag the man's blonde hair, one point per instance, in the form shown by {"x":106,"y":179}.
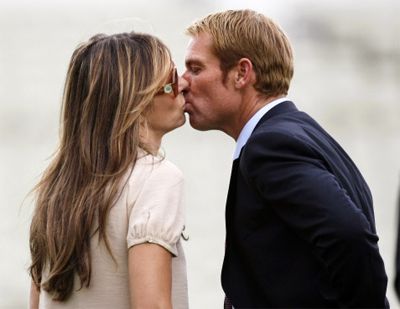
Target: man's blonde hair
{"x":248,"y":34}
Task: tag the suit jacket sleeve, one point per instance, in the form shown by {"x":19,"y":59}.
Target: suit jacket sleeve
{"x":291,"y":178}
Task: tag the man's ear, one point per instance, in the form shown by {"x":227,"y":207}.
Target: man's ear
{"x":244,"y":73}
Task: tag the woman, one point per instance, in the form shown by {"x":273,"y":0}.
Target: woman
{"x":108,"y":219}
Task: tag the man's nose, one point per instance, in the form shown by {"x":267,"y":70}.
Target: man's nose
{"x":183,"y":83}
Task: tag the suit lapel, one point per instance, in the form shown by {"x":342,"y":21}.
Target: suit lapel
{"x":281,"y":108}
{"x":229,"y":214}
{"x":230,"y":201}
{"x":230,"y":208}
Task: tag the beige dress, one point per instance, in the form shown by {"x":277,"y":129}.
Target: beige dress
{"x":149,"y":210}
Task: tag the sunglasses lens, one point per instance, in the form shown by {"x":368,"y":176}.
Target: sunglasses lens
{"x":169,"y":88}
{"x":173,"y":86}
{"x":175,"y":82}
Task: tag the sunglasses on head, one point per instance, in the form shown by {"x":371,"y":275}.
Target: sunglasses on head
{"x":173,"y":86}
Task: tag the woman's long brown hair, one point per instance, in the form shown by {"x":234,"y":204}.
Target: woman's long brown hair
{"x":111,"y":81}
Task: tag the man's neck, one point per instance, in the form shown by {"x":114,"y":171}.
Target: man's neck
{"x":250,"y":106}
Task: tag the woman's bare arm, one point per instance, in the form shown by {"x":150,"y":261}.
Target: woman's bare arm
{"x":150,"y":277}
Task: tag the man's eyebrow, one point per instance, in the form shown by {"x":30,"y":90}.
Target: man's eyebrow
{"x":189,"y":62}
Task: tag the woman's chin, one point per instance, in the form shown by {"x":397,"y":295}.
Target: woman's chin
{"x":182,"y":121}
{"x":179,"y":123}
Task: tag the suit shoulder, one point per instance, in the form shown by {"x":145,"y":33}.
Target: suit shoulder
{"x":285,"y":136}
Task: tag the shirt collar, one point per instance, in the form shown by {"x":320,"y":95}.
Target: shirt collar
{"x":251,"y":124}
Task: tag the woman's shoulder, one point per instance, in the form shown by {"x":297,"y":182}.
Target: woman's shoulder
{"x":156,"y":167}
{"x":151,"y":174}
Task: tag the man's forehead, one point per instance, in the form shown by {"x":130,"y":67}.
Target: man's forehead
{"x":202,"y":38}
{"x":199,"y":49}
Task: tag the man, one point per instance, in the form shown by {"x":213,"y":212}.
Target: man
{"x":300,"y":230}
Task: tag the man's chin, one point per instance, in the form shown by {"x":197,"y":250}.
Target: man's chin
{"x":197,"y":125}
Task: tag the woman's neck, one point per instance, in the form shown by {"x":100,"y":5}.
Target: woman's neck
{"x":152,"y":141}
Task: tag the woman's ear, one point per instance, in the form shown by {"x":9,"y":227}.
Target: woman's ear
{"x":244,"y":73}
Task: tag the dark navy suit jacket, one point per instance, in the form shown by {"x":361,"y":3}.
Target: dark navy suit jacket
{"x":299,"y":222}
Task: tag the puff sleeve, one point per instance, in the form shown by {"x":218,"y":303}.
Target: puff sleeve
{"x":157,"y":215}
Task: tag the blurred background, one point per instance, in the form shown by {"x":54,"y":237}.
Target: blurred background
{"x":347,"y":76}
